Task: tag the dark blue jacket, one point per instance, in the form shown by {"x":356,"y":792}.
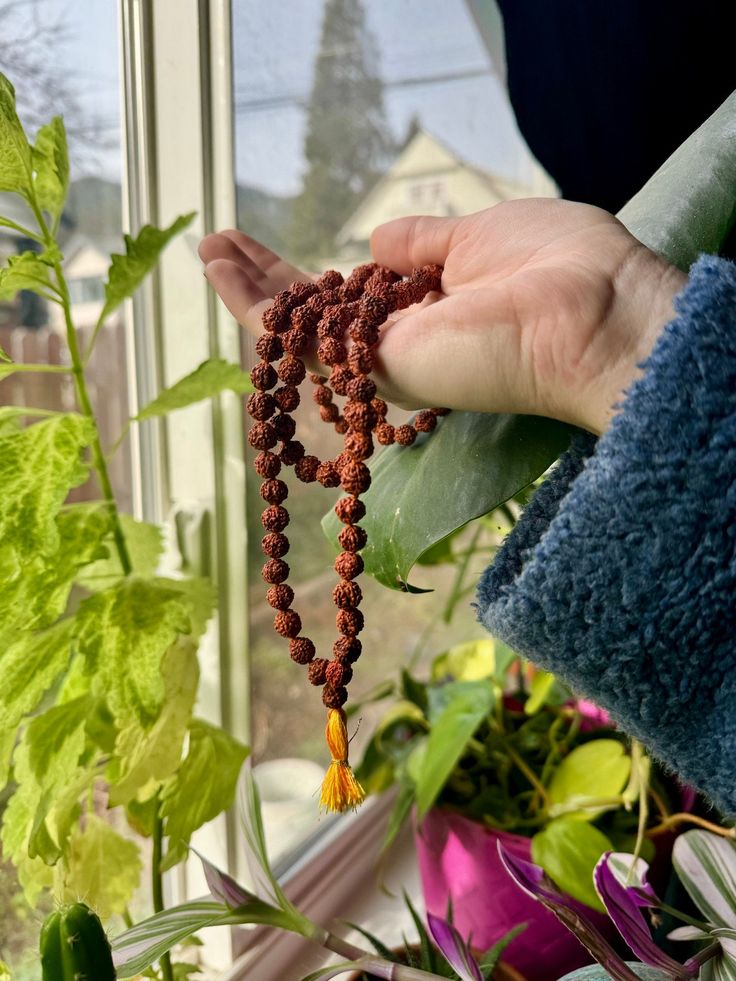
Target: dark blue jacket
{"x":621,"y":575}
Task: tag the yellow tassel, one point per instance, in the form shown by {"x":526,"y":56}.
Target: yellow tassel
{"x":340,"y":790}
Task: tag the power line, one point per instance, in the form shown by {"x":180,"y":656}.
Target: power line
{"x":301,"y":101}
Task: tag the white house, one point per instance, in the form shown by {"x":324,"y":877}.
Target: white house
{"x":430,"y":179}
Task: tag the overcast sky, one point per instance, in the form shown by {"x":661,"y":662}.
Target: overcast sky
{"x":275,"y":46}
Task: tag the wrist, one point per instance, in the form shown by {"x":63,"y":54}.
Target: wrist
{"x":644,"y":290}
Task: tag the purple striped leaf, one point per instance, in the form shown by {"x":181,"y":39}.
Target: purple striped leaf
{"x":454,"y":949}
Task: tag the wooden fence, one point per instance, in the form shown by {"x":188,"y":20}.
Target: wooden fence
{"x":107,"y":382}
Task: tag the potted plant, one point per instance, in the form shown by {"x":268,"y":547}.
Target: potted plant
{"x":483,"y":755}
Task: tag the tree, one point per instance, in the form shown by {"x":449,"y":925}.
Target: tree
{"x":348,"y":143}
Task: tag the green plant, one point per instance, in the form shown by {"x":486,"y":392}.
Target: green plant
{"x":98,"y":653}
{"x":518,"y":757}
{"x":74,"y":945}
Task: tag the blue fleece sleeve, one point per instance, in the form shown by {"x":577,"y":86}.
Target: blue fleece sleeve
{"x":620,"y":576}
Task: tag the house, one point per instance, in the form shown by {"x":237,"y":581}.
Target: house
{"x":428,"y":178}
{"x":86,"y":265}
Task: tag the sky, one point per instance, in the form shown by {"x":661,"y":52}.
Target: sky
{"x":275,"y":44}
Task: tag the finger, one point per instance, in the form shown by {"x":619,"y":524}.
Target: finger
{"x":406,"y":243}
{"x":281,"y":274}
{"x":220,"y":246}
{"x":243,"y":297}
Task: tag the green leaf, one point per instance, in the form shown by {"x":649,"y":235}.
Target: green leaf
{"x":468,"y":466}
{"x":493,"y":955}
{"x":597,"y":769}
{"x":201,"y":599}
{"x":182,"y":971}
{"x":124,"y":633}
{"x":128,"y":271}
{"x":400,"y":813}
{"x":209,"y":379}
{"x":542,"y":684}
{"x":5,"y":974}
{"x":39,"y":465}
{"x":145,"y":544}
{"x":152,"y":755}
{"x":103,"y":868}
{"x":568,"y":851}
{"x":465,"y":705}
{"x":466,"y":662}
{"x":4,"y":356}
{"x":689,"y":205}
{"x":203,"y":787}
{"x":29,"y":668}
{"x":706,"y":866}
{"x":15,"y":153}
{"x":27,"y":271}
{"x":51,"y":166}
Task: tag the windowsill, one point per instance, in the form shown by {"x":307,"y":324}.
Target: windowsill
{"x":343,"y":879}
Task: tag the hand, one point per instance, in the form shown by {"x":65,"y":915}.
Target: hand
{"x":547,"y":308}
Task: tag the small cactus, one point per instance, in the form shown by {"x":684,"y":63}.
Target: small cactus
{"x":74,"y":946}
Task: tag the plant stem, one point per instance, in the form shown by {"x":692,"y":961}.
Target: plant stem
{"x":460,"y":576}
{"x":531,"y":776}
{"x":395,"y":972}
{"x":674,"y":819}
{"x":157,"y":884}
{"x":80,"y":385}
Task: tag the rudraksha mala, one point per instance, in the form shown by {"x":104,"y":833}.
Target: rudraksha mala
{"x":333,"y":310}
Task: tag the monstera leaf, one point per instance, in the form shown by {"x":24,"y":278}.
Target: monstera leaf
{"x":474,"y":462}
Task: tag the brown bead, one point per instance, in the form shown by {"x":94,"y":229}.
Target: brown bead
{"x":360,"y":360}
{"x":316,"y":670}
{"x":300,"y":292}
{"x":329,"y":413}
{"x":347,"y":595}
{"x":317,"y":379}
{"x":385,"y":433}
{"x":275,"y":545}
{"x":339,"y":378}
{"x":291,"y":370}
{"x":285,"y":427}
{"x":334,"y":698}
{"x":429,"y":278}
{"x":355,"y":477}
{"x":359,"y":416}
{"x":280,"y":597}
{"x":425,"y":421}
{"x":269,"y":347}
{"x":348,"y":565}
{"x":287,"y":398}
{"x":352,"y":538}
{"x":405,"y":435}
{"x":350,"y":291}
{"x":322,"y":395}
{"x":267,"y":465}
{"x":288,"y":623}
{"x":318,"y":302}
{"x":301,"y":650}
{"x":328,"y":475}
{"x":330,"y":280}
{"x":261,"y":406}
{"x":361,"y":389}
{"x":341,"y":427}
{"x":349,"y":510}
{"x":262,"y":436}
{"x":374,"y":309}
{"x":363,"y":332}
{"x":441,"y":412}
{"x":304,"y":319}
{"x":274,"y":491}
{"x":334,"y":322}
{"x":275,"y":518}
{"x":331,"y":351}
{"x":339,"y":674}
{"x":263,"y":376}
{"x":306,"y":469}
{"x":359,"y":445}
{"x":275,"y":571}
{"x":291,"y":452}
{"x":347,"y":649}
{"x":295,"y":341}
{"x":349,"y":622}
{"x":380,"y":408}
{"x":276,"y":319}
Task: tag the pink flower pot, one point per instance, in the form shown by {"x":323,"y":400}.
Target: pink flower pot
{"x":458,"y":860}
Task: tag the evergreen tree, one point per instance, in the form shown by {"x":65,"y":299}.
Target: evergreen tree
{"x":347,"y":144}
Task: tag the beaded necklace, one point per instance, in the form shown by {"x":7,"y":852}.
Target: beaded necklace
{"x":328,"y":309}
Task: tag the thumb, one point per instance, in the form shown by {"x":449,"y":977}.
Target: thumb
{"x":406,"y":243}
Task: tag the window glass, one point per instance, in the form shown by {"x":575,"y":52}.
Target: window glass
{"x":349,"y":114}
{"x":63,"y":59}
